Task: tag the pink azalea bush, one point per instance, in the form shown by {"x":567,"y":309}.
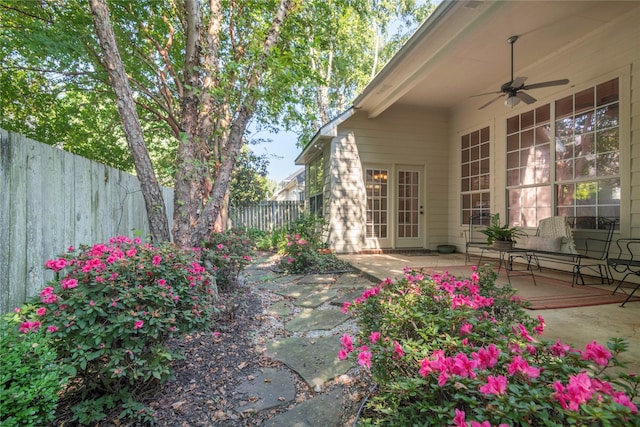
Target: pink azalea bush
{"x":462,"y":352}
{"x":110,"y":311}
{"x":227,"y":254}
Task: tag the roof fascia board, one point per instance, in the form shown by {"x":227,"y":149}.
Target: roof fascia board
{"x":409,"y":82}
{"x":439,"y":13}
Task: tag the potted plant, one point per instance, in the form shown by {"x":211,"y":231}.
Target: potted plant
{"x":501,"y":236}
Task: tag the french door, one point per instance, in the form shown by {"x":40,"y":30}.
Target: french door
{"x":409,"y":208}
{"x":394,"y":206}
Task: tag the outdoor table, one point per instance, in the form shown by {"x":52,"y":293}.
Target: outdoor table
{"x":506,"y":256}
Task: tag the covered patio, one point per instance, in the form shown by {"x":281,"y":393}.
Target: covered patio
{"x":574,"y":325}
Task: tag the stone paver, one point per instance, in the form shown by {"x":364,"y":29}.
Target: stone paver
{"x":312,"y":320}
{"x":317,"y":279}
{"x":316,"y":299}
{"x":267,"y":388}
{"x":314,"y":359}
{"x":324,"y":410}
{"x":281,"y":308}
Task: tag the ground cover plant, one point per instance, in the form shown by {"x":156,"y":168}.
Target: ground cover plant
{"x":450,"y":352}
{"x":30,"y":378}
{"x":109,"y":314}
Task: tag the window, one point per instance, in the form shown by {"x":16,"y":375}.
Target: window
{"x":316,"y":187}
{"x":528,"y":167}
{"x":376,"y":185}
{"x":585,"y":178}
{"x":476,"y":155}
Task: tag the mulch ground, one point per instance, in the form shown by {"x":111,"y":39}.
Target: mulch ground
{"x":216,"y":362}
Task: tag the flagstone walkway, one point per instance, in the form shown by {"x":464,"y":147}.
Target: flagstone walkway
{"x":301,"y":327}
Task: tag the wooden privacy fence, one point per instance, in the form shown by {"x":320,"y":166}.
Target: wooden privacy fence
{"x":266,"y":216}
{"x":51,"y":199}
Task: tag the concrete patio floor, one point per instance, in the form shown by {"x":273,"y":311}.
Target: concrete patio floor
{"x":576,"y":326}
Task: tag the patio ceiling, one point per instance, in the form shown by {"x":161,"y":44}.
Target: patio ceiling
{"x":462,"y":50}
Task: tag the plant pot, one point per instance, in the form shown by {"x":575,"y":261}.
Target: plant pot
{"x":446,"y":249}
{"x":325,"y":251}
{"x":502,"y":244}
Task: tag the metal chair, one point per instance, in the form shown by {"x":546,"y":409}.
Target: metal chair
{"x":628,"y":263}
{"x":473,"y":236}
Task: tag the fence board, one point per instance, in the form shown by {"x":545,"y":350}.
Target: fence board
{"x":51,"y":199}
{"x":267,"y":216}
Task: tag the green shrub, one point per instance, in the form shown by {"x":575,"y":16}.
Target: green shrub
{"x":111,"y":310}
{"x":462,"y":352}
{"x":228,"y":252}
{"x":30,"y":378}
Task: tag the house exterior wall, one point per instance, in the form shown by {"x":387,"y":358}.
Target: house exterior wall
{"x":609,"y":52}
{"x":402,"y":136}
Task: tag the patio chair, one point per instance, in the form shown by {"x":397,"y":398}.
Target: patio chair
{"x":473,"y":236}
{"x":628,"y":263}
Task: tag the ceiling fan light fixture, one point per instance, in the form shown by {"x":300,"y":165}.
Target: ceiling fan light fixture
{"x":511,"y":101}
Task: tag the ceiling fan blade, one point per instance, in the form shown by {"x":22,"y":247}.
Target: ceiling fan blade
{"x":491,"y":102}
{"x":484,"y":94}
{"x":546,"y":84}
{"x":517,"y":82}
{"x":526,"y":98}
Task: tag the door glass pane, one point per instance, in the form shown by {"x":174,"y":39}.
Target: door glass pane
{"x":376,"y":189}
{"x":408,"y":204}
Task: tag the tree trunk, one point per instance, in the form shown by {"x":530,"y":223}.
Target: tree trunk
{"x":151,"y":191}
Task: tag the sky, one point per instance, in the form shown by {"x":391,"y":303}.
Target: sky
{"x":281,"y":152}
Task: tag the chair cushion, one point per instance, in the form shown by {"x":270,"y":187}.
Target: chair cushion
{"x":539,"y":243}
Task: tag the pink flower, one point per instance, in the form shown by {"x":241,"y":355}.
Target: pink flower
{"x":397,"y":349}
{"x":342,"y":354}
{"x":26,"y":327}
{"x":56,"y":264}
{"x":364,"y":357}
{"x":578,"y":390}
{"x":47,"y":296}
{"x":345,"y":307}
{"x":623,"y":399}
{"x":132,"y":252}
{"x":539,"y":329}
{"x":482,"y":424}
{"x":162,"y":282}
{"x":495,"y":385}
{"x":459,"y":419}
{"x":216,"y":334}
{"x":519,"y":365}
{"x":138,"y":324}
{"x":52,"y":329}
{"x":559,"y":349}
{"x":596,"y":353}
{"x":466,"y":329}
{"x":463,"y":366}
{"x":487,"y":358}
{"x":347,"y":342}
{"x":220,"y":246}
{"x":91,"y":303}
{"x":41,"y":311}
{"x":374,"y":337}
{"x":69,"y":283}
{"x":156,"y":260}
{"x":522,"y":331}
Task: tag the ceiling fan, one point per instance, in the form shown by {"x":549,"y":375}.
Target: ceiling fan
{"x":514,"y":88}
